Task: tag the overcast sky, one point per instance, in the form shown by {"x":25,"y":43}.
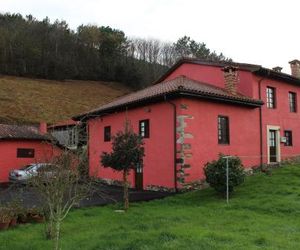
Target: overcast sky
{"x":264,"y":32}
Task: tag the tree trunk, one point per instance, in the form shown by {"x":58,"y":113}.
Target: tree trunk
{"x":49,"y":229}
{"x":57,"y":235}
{"x":126,"y":194}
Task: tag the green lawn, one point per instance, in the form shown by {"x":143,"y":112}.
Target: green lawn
{"x":263,"y":214}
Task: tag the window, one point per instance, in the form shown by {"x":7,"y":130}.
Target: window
{"x":107,"y":133}
{"x":144,"y":129}
{"x":271,"y":97}
{"x":223,"y":130}
{"x":72,"y":137}
{"x":289,"y":138}
{"x":25,"y":153}
{"x":293,"y":102}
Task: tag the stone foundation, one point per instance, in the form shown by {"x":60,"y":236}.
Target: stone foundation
{"x":249,"y":171}
{"x":159,"y":188}
{"x":111,"y":182}
{"x":194,"y":185}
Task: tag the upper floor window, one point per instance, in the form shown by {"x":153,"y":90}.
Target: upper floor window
{"x":223,"y":129}
{"x":288,"y":137}
{"x":293,"y":102}
{"x":144,"y":129}
{"x":271,"y":98}
{"x":25,"y":153}
{"x":107,"y":133}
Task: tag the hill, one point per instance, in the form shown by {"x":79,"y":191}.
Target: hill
{"x":26,"y":100}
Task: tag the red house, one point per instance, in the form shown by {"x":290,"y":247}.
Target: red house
{"x":22,"y":145}
{"x":197,"y":110}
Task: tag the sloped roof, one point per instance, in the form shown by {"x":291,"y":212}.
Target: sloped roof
{"x":21,"y":132}
{"x":254,"y":68}
{"x":180,"y":86}
{"x":64,"y":123}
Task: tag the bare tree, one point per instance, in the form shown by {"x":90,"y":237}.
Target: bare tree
{"x":168,"y":54}
{"x":61,"y":187}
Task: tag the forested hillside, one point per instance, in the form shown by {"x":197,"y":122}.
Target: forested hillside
{"x":51,"y":50}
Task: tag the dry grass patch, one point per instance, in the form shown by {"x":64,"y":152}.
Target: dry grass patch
{"x":33,"y":100}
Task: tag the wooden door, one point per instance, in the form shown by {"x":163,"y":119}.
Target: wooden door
{"x":139,"y":177}
{"x":273,"y":146}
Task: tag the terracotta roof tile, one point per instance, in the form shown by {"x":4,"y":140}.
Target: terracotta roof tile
{"x":180,"y":84}
{"x":20,"y":132}
{"x":64,"y":123}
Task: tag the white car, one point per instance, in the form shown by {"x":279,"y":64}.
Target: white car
{"x":24,"y":174}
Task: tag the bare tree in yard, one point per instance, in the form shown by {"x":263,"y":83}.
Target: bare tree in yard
{"x":61,"y":187}
{"x":127,"y":153}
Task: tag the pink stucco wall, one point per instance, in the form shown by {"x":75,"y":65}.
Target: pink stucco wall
{"x":203,"y":126}
{"x":158,"y":161}
{"x":213,"y":75}
{"x":281,"y":115}
{"x":159,"y":157}
{"x":9,"y":160}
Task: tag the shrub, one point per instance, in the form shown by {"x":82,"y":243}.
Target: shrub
{"x":5,"y":215}
{"x":215,"y":173}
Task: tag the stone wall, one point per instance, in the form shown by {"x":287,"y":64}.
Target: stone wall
{"x":111,"y":182}
{"x":184,"y":149}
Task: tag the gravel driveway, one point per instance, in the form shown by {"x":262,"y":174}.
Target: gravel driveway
{"x":102,"y":194}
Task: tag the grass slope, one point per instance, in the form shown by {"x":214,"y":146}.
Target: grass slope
{"x":263,"y":214}
{"x":34,"y":100}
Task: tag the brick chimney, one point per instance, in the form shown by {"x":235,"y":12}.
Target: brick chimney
{"x":277,"y":69}
{"x":43,"y":128}
{"x":295,"y":68}
{"x":231,"y":79}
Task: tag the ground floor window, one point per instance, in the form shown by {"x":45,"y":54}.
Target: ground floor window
{"x":288,"y":138}
{"x":223,"y":129}
{"x":25,"y":153}
{"x":144,"y":129}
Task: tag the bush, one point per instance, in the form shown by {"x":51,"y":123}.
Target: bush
{"x":215,"y":173}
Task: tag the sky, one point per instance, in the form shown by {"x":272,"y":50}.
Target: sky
{"x":264,"y":32}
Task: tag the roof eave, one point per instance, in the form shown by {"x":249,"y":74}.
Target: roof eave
{"x":242,"y":66}
{"x":46,"y":140}
{"x":7,"y":138}
{"x":222,"y":99}
{"x":172,"y":95}
{"x":277,"y":76}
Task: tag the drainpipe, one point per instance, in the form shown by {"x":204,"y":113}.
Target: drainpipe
{"x":174,"y":142}
{"x":260,"y":122}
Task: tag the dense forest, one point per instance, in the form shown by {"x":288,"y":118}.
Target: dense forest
{"x":51,"y":50}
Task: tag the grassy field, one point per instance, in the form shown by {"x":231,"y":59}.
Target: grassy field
{"x":33,"y":100}
{"x":263,"y":214}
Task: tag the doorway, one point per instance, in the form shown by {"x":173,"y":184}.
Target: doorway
{"x":139,"y":177}
{"x":273,"y":144}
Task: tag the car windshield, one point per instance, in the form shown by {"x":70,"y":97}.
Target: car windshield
{"x":27,"y":167}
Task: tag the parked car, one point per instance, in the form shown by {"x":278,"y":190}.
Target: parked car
{"x":24,"y":174}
